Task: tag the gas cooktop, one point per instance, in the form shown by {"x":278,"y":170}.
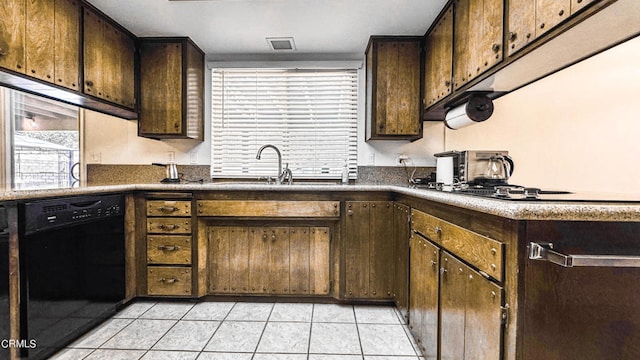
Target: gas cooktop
{"x":522,"y":193}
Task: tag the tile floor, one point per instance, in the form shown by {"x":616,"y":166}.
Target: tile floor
{"x":247,"y":331}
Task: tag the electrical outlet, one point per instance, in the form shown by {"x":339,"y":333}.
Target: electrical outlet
{"x":193,"y":157}
{"x":401,"y":159}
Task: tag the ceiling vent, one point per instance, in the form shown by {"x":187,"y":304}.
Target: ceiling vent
{"x":281,"y":43}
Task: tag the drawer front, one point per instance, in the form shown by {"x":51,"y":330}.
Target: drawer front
{"x":163,"y":280}
{"x":168,"y":208}
{"x":269,"y":208}
{"x":169,"y":249}
{"x":482,"y":252}
{"x":169,"y":225}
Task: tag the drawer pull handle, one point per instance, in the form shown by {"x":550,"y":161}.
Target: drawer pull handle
{"x":167,"y":209}
{"x":545,"y":252}
{"x":438,"y":230}
{"x":169,"y":247}
{"x":169,"y":227}
{"x":168,"y":281}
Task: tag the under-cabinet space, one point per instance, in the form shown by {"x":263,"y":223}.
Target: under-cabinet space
{"x":269,"y":260}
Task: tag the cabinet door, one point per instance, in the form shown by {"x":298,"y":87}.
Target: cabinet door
{"x":483,"y":319}
{"x":490,"y":43}
{"x":357,"y":249}
{"x":386,"y":88}
{"x":319,"y":261}
{"x":67,"y":44}
{"x":12,"y":35}
{"x":279,"y":260}
{"x":124,"y":90}
{"x":453,"y":295}
{"x":478,"y":38}
{"x":424,"y":285}
{"x":401,"y":234}
{"x":40,"y":39}
{"x":259,"y":239}
{"x":439,"y":60}
{"x":93,"y":47}
{"x":381,"y":250}
{"x":521,"y":24}
{"x":550,"y":13}
{"x":299,"y":250}
{"x":219,"y":266}
{"x":408,"y":89}
{"x":161,"y":91}
{"x":239,"y":259}
{"x":461,"y":52}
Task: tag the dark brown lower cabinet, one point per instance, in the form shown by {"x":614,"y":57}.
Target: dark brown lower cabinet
{"x":269,"y":260}
{"x":470,"y":313}
{"x":423,"y":299}
{"x":401,"y":233}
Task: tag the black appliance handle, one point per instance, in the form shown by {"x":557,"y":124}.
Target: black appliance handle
{"x":86,"y":204}
{"x":158,"y":164}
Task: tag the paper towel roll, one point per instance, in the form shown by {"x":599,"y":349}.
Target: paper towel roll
{"x":477,"y":109}
{"x":444,"y":170}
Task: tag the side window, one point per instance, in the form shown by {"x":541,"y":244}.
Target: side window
{"x":41,"y":141}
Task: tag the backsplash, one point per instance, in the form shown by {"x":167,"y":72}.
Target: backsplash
{"x":145,"y":174}
{"x":141,"y":174}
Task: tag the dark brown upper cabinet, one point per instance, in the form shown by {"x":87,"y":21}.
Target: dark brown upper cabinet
{"x":109,"y":61}
{"x":477,"y":33}
{"x":171,"y":89}
{"x":393,"y":88}
{"x":41,"y":39}
{"x":438,"y":60}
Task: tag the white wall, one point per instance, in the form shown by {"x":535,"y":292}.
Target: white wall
{"x":578,"y":129}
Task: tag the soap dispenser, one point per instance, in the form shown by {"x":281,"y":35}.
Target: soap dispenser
{"x":345,"y":173}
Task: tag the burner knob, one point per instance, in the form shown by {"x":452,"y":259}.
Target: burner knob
{"x":531,"y":193}
{"x":502,"y":191}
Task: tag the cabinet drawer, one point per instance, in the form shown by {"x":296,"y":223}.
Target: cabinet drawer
{"x":169,"y":226}
{"x":169,"y":249}
{"x":268,"y":208}
{"x":168,"y":208}
{"x":482,"y":252}
{"x":164,"y":280}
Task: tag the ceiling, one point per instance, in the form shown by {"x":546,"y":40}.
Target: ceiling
{"x":227,"y":29}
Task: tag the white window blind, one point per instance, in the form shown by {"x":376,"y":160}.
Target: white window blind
{"x":310,"y":115}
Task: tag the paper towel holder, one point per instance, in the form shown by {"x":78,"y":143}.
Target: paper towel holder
{"x":478,"y":108}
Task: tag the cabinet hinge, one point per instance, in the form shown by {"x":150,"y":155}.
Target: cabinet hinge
{"x":504,"y":314}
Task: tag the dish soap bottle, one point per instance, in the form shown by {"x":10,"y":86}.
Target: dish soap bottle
{"x":345,"y":173}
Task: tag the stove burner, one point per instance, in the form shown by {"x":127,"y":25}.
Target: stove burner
{"x":511,"y":192}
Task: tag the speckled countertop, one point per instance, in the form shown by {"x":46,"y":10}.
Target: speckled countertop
{"x":525,"y":210}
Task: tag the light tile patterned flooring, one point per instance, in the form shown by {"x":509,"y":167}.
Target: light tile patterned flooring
{"x":247,"y":331}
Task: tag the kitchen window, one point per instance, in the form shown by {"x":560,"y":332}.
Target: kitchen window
{"x":309,"y":114}
{"x":40,"y":141}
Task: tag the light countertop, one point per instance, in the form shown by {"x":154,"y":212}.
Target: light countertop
{"x":517,"y":210}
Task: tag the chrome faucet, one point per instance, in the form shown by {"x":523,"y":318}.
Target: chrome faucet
{"x":282,"y":175}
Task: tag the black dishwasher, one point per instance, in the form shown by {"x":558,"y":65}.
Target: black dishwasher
{"x":72,"y":258}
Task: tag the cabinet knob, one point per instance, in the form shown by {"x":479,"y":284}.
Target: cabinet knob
{"x":495,"y":47}
{"x":513,"y":36}
{"x":350,"y":212}
{"x":438,"y":230}
{"x":542,"y":26}
{"x":561,"y":12}
{"x":89,"y":83}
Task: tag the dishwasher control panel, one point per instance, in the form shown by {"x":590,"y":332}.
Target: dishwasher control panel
{"x":54,"y":213}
